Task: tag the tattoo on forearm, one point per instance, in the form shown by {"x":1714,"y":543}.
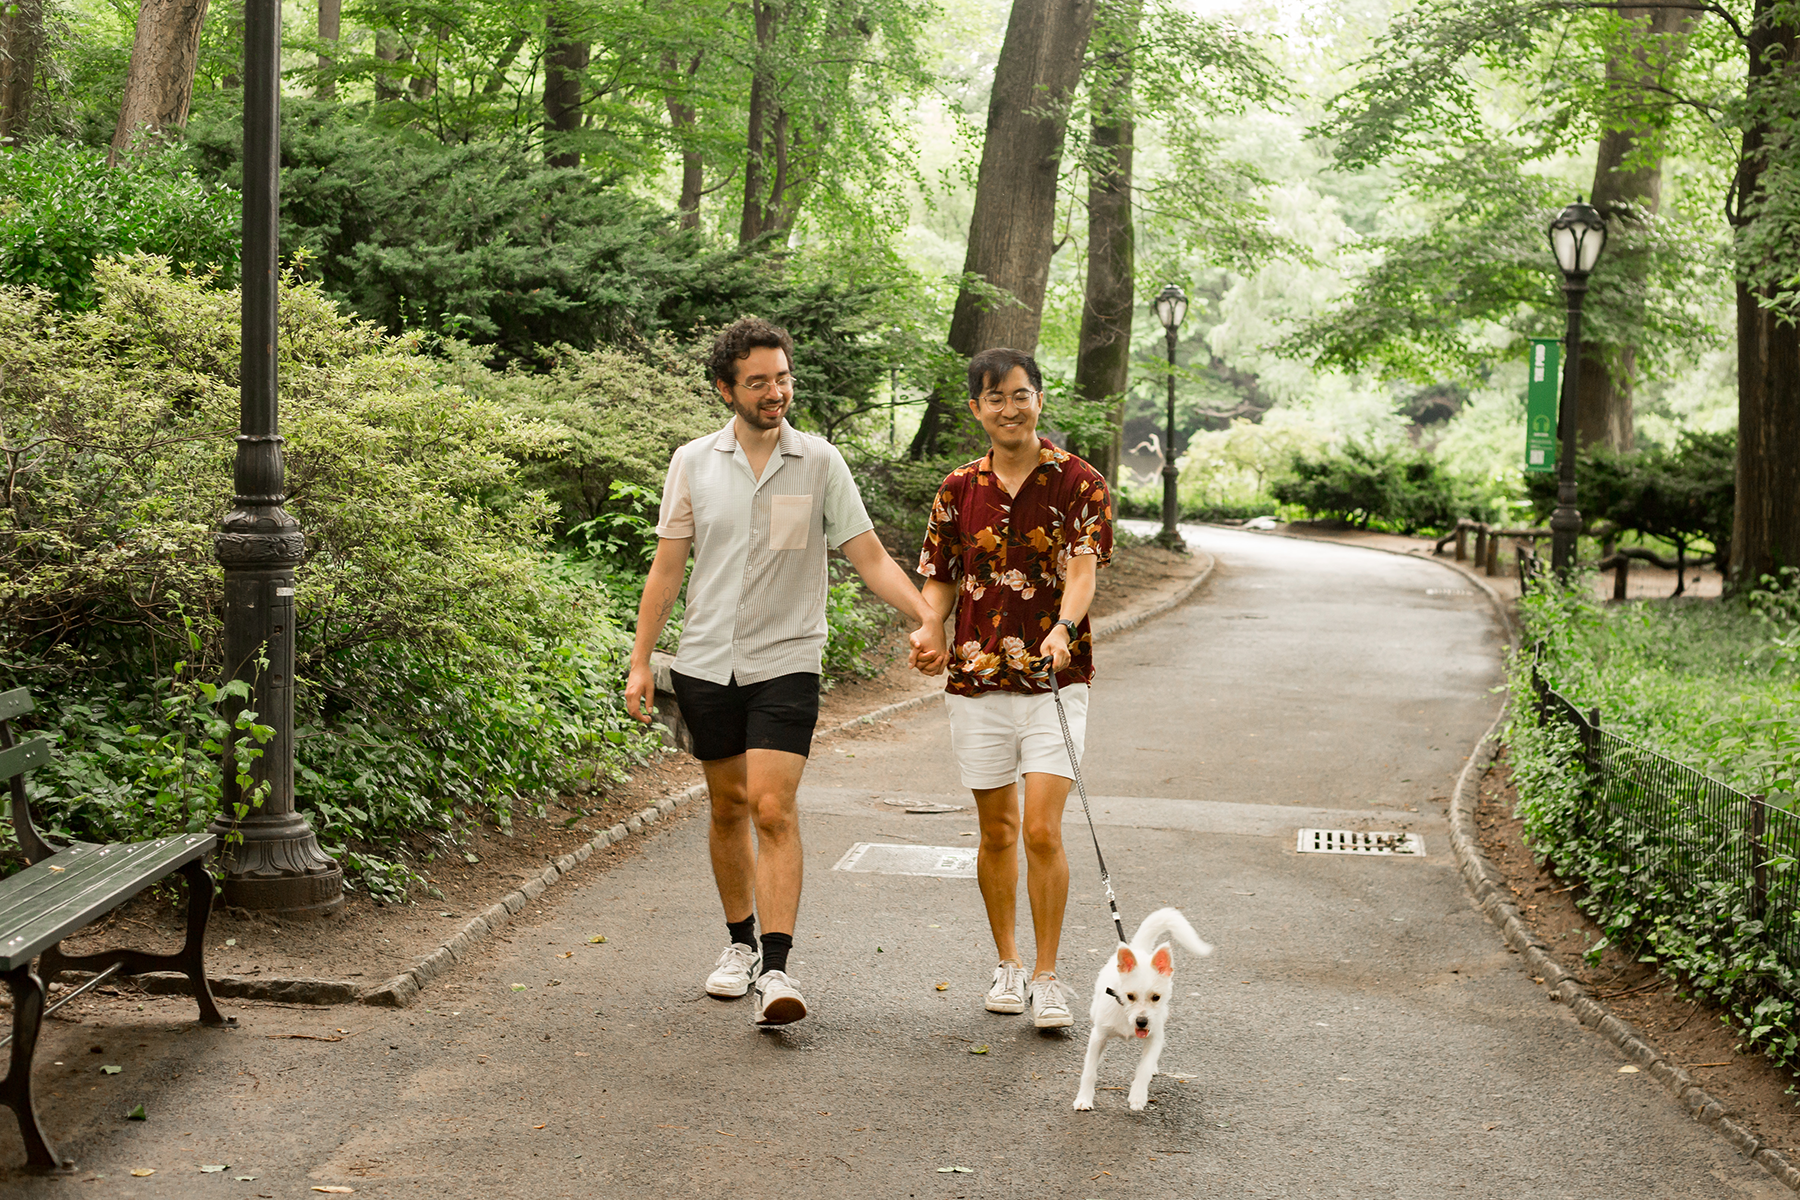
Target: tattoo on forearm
{"x":665,"y":606}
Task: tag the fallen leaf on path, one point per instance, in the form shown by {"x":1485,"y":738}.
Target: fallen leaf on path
{"x":956,"y":1170}
{"x":109,"y":1069}
{"x":537,"y":1126}
{"x":680,"y":1127}
{"x":141,"y":1172}
{"x":335,"y":1190}
{"x":137,"y":1114}
{"x":978,"y":1049}
{"x":596,"y":940}
{"x":303,"y":1037}
{"x":567,"y":954}
{"x":944,"y":986}
{"x":213,"y":1168}
{"x":231,"y":941}
{"x":518,"y":987}
{"x":244,"y":1178}
{"x":1628,"y":1070}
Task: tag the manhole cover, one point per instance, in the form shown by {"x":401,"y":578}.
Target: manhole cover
{"x":922,"y":806}
{"x":1348,"y":841}
{"x":1448,"y":592}
{"x":882,"y":858}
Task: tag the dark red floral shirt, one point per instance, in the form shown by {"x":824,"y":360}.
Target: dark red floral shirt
{"x":1009,"y":557}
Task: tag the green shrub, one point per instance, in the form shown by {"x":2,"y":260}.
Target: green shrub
{"x":443,"y":661}
{"x":1399,"y":488}
{"x":62,"y":207}
{"x":1682,"y":495}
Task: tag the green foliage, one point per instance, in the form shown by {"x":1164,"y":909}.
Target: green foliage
{"x":853,"y":627}
{"x":1680,"y":495}
{"x":441,"y":661}
{"x":1716,"y":686}
{"x":1401,"y":488}
{"x":62,"y":207}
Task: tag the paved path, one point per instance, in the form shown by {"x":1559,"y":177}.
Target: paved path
{"x":1360,"y":1033}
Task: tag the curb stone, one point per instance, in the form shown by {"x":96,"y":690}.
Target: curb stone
{"x":404,"y":988}
{"x":1488,"y":889}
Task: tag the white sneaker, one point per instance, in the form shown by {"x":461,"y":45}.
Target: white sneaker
{"x":1008,"y":993}
{"x":738,"y":965}
{"x":1049,"y":1004}
{"x":778,"y":1001}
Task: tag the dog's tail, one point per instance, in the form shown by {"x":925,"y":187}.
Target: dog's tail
{"x":1167,"y":922}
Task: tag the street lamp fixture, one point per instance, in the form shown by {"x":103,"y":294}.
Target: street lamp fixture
{"x":1577,"y":237}
{"x":1171,"y":309}
{"x":271,"y":858}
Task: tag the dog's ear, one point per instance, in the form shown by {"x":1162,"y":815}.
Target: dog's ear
{"x":1127,"y":960}
{"x":1163,"y":961}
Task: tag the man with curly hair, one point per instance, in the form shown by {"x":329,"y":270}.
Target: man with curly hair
{"x":758,"y":504}
{"x":1012,"y":547}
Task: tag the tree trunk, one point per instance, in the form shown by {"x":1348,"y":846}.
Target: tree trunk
{"x":766,"y":123}
{"x":1624,"y":193}
{"x":330,"y":23}
{"x":1103,"y":357}
{"x":21,"y":36}
{"x":159,"y":83}
{"x":388,"y":49}
{"x":1012,"y":230}
{"x":1765,"y":532}
{"x":496,"y":80}
{"x":564,"y":62}
{"x":682,"y":118}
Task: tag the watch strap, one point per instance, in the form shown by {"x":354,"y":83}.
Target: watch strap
{"x":1073,"y":632}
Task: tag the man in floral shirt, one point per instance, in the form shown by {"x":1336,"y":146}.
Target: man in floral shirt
{"x":1013,"y":544}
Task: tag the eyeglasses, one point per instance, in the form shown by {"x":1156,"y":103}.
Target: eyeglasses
{"x":783,"y":382}
{"x":996,"y":401}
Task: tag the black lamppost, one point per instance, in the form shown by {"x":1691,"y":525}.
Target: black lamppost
{"x":1577,"y":236}
{"x":1171,"y":307}
{"x":271,"y":858}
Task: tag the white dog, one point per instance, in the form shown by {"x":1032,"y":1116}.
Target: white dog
{"x":1131,"y":1000}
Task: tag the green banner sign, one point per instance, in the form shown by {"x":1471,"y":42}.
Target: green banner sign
{"x":1542,"y":382}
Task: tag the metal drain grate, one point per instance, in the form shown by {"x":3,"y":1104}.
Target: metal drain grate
{"x":1349,"y":841}
{"x":884,"y":858}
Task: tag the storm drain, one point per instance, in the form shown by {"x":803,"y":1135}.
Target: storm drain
{"x":1349,"y":841}
{"x":882,"y":858}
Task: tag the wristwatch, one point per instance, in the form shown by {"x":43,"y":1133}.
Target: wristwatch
{"x":1073,"y":632}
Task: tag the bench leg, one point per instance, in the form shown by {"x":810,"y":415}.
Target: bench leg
{"x":190,"y":960}
{"x":15,"y":1092}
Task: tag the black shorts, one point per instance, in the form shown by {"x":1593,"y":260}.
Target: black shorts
{"x":727,"y":719}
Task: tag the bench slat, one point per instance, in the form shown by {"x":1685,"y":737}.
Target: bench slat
{"x":14,"y":704}
{"x":41,"y":905}
{"x":17,"y":760}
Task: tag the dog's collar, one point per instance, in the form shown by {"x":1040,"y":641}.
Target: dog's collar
{"x":1116,"y":996}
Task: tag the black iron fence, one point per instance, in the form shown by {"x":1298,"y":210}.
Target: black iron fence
{"x":1695,"y":853}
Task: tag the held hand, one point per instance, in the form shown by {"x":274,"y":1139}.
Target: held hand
{"x":1056,"y":648}
{"x":640,"y":692}
{"x":928,"y":654}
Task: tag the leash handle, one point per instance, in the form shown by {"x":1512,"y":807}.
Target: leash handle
{"x":1081,"y":790}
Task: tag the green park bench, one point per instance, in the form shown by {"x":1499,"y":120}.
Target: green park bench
{"x":63,"y":891}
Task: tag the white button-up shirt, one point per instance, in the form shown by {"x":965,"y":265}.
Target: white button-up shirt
{"x":756,"y":598}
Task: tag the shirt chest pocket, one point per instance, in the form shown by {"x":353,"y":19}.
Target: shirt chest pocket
{"x":790,"y":521}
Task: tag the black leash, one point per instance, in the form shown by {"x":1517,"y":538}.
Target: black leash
{"x":1081,"y":789}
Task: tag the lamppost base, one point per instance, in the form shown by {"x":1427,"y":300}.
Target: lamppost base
{"x":292,"y":897}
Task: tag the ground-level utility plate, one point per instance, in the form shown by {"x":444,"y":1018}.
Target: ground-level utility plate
{"x":882,"y":858}
{"x":1350,"y":841}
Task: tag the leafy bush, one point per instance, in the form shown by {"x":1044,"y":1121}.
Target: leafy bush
{"x":1681,"y":495}
{"x":1712,"y":685}
{"x":62,"y":207}
{"x":1400,"y":488}
{"x":441,"y":660}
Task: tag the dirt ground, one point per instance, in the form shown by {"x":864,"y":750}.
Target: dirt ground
{"x":1689,"y":1034}
{"x":367,"y":942}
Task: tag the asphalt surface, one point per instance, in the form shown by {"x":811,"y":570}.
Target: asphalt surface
{"x":1361,"y":1031}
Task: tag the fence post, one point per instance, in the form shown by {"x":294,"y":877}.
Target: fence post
{"x":1590,"y":743}
{"x":1759,"y":869}
{"x":1462,"y":540}
{"x":1493,"y":555}
{"x":1621,"y":574}
{"x":1481,"y":541}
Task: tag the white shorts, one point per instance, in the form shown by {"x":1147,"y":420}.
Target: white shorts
{"x":999,"y":736}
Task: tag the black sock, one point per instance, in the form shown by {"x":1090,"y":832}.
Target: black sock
{"x":743,"y":932}
{"x":775,"y":947}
